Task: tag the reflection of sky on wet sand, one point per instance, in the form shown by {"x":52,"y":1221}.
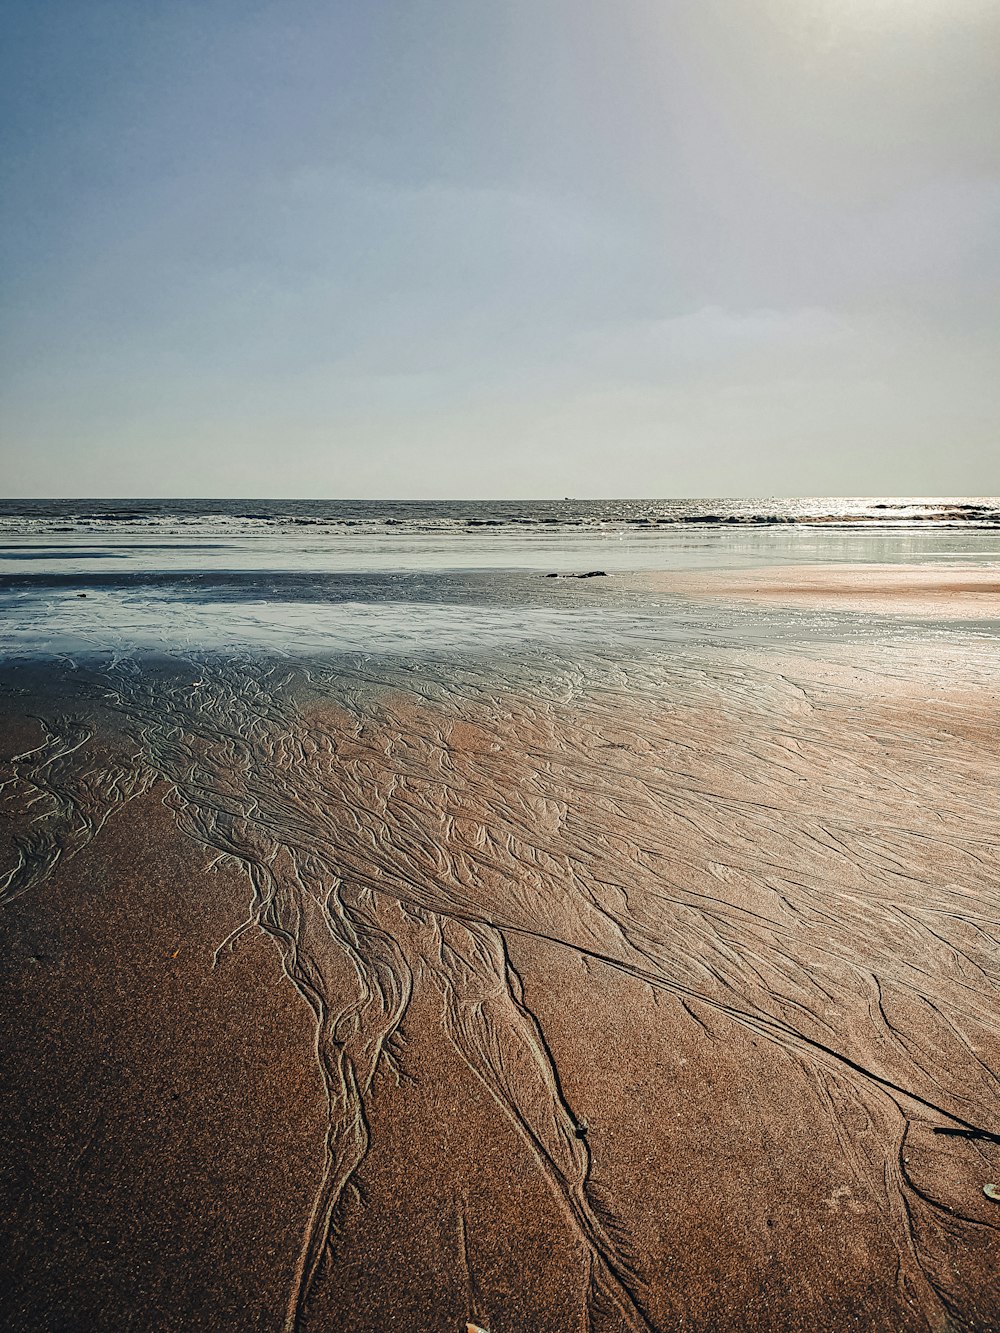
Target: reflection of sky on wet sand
{"x":395,"y":590}
{"x":52,"y":622}
{"x":113,"y":622}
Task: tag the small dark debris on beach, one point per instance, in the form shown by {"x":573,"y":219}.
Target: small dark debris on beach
{"x":591,"y":574}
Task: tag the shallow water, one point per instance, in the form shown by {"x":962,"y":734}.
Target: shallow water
{"x":86,"y":577}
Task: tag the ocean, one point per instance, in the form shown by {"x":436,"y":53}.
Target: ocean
{"x":211,"y":516}
{"x":120,"y":576}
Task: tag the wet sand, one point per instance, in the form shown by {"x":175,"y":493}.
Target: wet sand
{"x":633,"y":997}
{"x":959,"y":592}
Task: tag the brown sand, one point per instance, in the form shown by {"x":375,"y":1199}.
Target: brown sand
{"x":641,"y":1008}
{"x":959,"y":592}
{"x":161,"y":1121}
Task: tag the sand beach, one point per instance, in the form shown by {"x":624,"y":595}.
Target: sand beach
{"x":650,"y":995}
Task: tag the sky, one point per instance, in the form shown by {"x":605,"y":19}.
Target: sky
{"x":515,"y":248}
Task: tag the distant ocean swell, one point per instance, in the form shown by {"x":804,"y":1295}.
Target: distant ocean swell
{"x":31,"y":517}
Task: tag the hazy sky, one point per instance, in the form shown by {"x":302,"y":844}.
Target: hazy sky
{"x":505,"y":248}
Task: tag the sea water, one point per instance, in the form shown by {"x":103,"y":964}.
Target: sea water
{"x":98,"y":576}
